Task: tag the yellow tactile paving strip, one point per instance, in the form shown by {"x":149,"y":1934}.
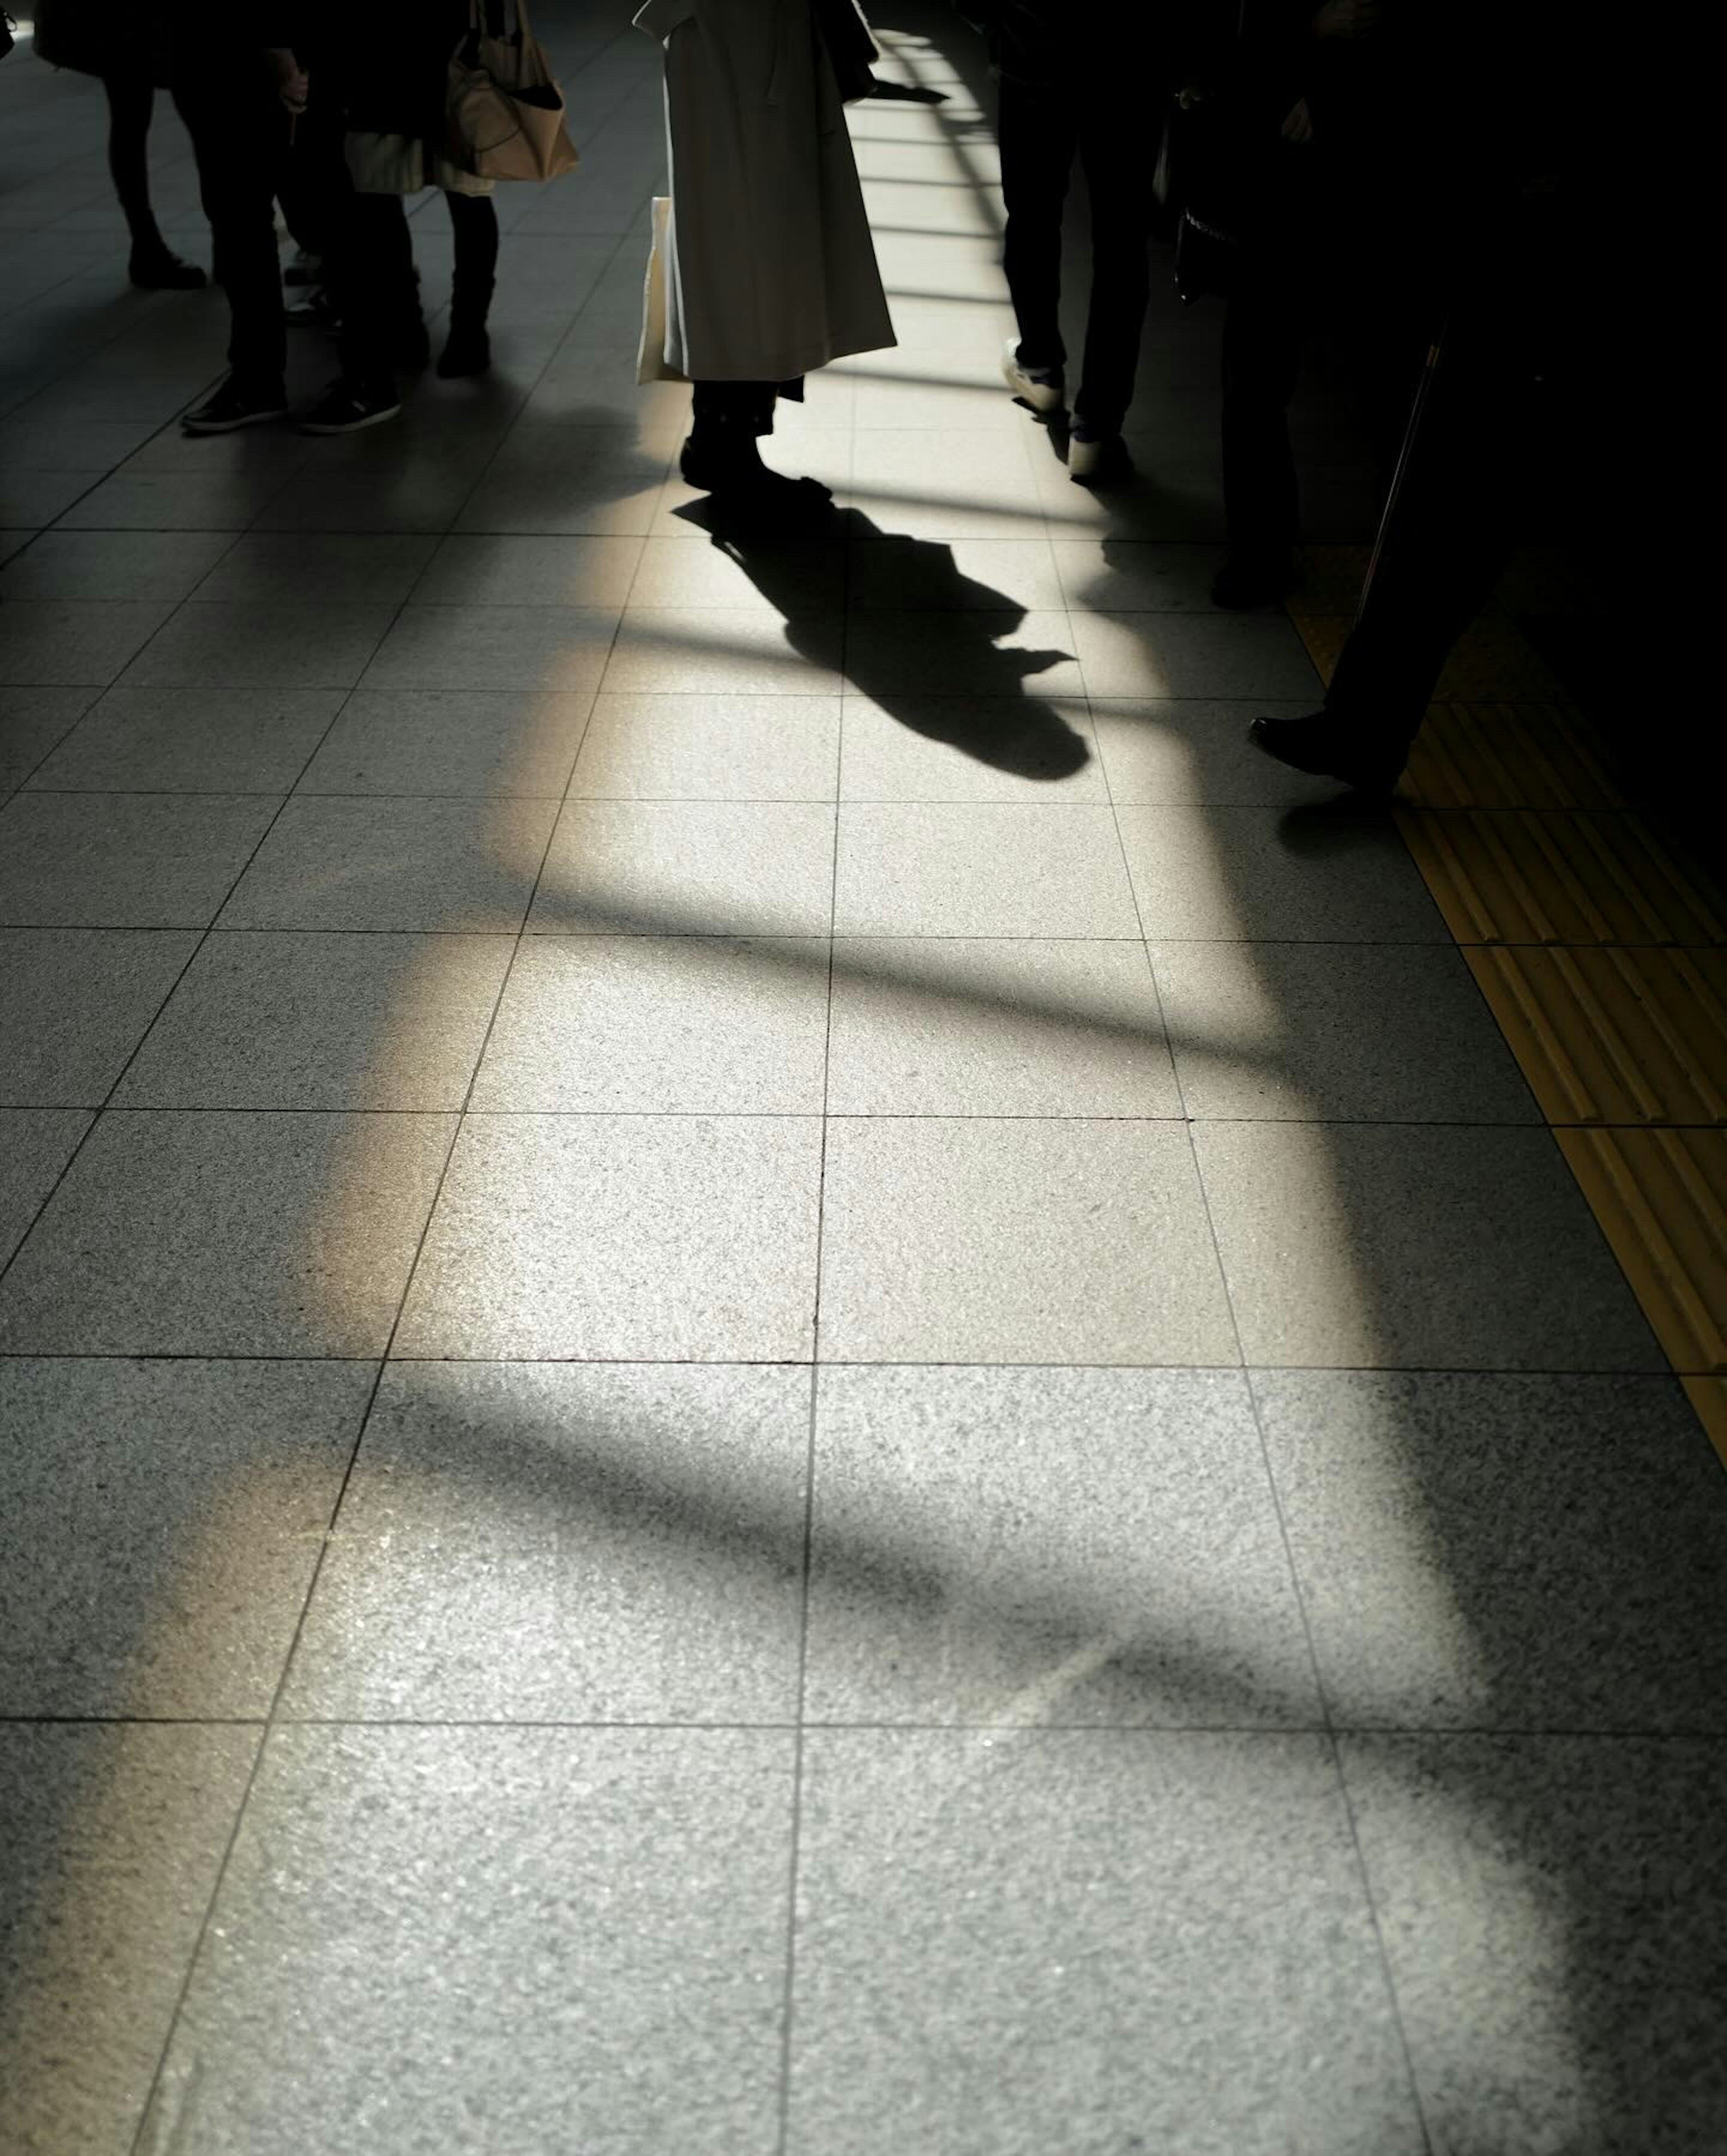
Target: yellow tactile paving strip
{"x":1603,"y":957}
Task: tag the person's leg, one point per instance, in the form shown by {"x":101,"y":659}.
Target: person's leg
{"x":154,"y":265}
{"x":474,"y":225}
{"x":1263,"y":330}
{"x":240,"y":137}
{"x":370,"y":264}
{"x":721,"y":459}
{"x":1038,"y":136}
{"x":1116,"y":156}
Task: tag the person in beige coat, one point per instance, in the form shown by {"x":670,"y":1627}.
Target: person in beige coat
{"x":765,"y":269}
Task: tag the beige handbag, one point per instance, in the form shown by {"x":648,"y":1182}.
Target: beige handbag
{"x":505,"y":111}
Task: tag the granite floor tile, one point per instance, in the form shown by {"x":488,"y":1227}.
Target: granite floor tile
{"x":1362,"y":1032}
{"x":719,"y":748}
{"x":1002,"y":1547}
{"x":599,"y":1965}
{"x":1552,"y":1909}
{"x":164,"y":1519}
{"x":114,"y":1836}
{"x":495,"y":647}
{"x":991,"y":1241}
{"x":459,"y":866}
{"x":1166,"y":751}
{"x":321,"y":568}
{"x":569,"y":478}
{"x":690,"y":868}
{"x":1027,"y":748}
{"x":1119,"y":576}
{"x":547,"y":1542}
{"x":1504,"y":1552}
{"x":78,"y":1001}
{"x":38,"y":1142}
{"x":32,"y":722}
{"x":960,"y":653}
{"x":1243,"y":875}
{"x":191,"y":741}
{"x":296,"y":1020}
{"x":661,"y":1025}
{"x":913,"y":576}
{"x":263,"y":644}
{"x":74,"y":643}
{"x":161,"y":566}
{"x":982,"y":870}
{"x":478,"y":569}
{"x":918,"y":483}
{"x":699,"y":571}
{"x":622,"y":1238}
{"x":720,"y":651}
{"x":137,"y":501}
{"x":123,"y":861}
{"x":1082,"y":1939}
{"x":1191,"y":655}
{"x":452,"y":740}
{"x":1408,"y":1246}
{"x":927,"y":1027}
{"x":228,"y":1234}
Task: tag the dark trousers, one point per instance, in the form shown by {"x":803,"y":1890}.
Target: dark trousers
{"x":739,"y":408}
{"x":1043,"y":128}
{"x":1263,"y":331}
{"x":1449,"y":526}
{"x":240,"y":138}
{"x":474,"y":227}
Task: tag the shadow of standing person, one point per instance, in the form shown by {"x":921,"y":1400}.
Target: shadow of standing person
{"x":988,"y":713}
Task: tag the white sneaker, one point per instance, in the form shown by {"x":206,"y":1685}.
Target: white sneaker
{"x":1096,"y":459}
{"x":1043,"y":391}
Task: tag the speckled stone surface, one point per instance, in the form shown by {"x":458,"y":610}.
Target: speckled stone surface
{"x":662,"y":1238}
{"x":1014,"y":1027}
{"x":1173,"y":749}
{"x":1397,"y":1245}
{"x":35,"y":1145}
{"x":1237,"y":872}
{"x":1048,"y":1546}
{"x":113,"y":1837}
{"x":284,"y":1020}
{"x":1006,"y":739}
{"x":191,"y":740}
{"x":460,"y":866}
{"x":78,"y":1001}
{"x":981,"y":869}
{"x":946,"y":1241}
{"x":688,"y":867}
{"x":1094,"y":1942}
{"x":436,"y":1942}
{"x":162,"y":1522}
{"x":32,"y":722}
{"x":1504,"y":1552}
{"x":1275,"y":1032}
{"x":1188,"y":654}
{"x":661,"y":1024}
{"x":718,"y":748}
{"x":544,"y":1541}
{"x":123,"y":861}
{"x":1554,"y":1909}
{"x":451,"y":740}
{"x":227,"y":1234}
{"x":273,"y":642}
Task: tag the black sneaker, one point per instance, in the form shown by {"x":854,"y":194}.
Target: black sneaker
{"x":233,"y":406}
{"x":347,"y":407}
{"x":154,"y":270}
{"x":317,"y":310}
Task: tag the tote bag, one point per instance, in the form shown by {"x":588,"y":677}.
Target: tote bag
{"x":504,"y":112}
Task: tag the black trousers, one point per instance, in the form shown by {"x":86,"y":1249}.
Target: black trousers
{"x":1450,"y":526}
{"x":1043,"y":128}
{"x":242,"y":141}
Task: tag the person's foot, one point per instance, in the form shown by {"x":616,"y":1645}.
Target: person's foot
{"x":160,"y":270}
{"x":317,"y":310}
{"x":1324,"y":748}
{"x":1042,"y":389}
{"x":411,"y":346}
{"x":348,"y":408}
{"x":1095,"y":459}
{"x":237,"y":404}
{"x":738,"y":481}
{"x":304,"y":270}
{"x":1251,"y":580}
{"x":467,"y":350}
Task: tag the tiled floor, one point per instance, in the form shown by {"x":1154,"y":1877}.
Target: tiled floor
{"x":778,"y":1376}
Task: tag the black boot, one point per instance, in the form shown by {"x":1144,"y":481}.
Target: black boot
{"x":1329,"y":748}
{"x":467,"y":350}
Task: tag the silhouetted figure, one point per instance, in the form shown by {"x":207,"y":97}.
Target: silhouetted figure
{"x":127,"y":46}
{"x":767,"y":268}
{"x":1085,"y":79}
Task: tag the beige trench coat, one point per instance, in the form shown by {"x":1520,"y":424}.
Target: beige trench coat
{"x":767,"y":265}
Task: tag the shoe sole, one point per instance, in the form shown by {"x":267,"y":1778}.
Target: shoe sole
{"x":232,"y":426}
{"x":349,"y":426}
